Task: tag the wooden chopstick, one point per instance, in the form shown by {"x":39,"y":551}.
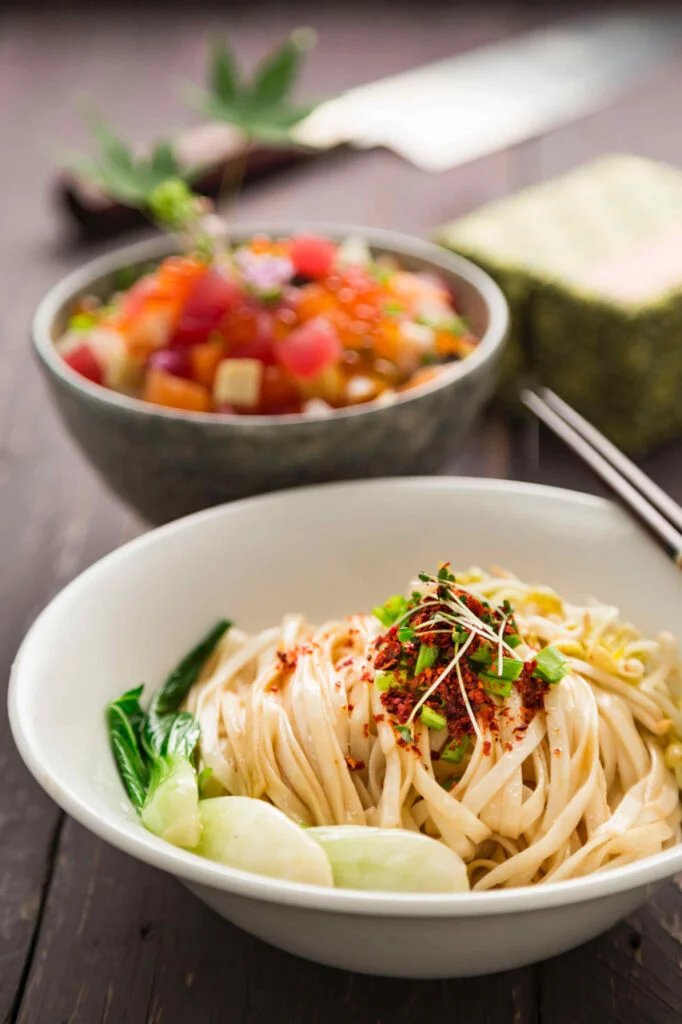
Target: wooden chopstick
{"x":656,"y":509}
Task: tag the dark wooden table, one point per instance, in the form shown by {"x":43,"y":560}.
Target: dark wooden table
{"x":86,"y":933}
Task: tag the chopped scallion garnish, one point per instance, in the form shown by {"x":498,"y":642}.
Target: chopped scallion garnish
{"x":405,"y":634}
{"x":511,"y":670}
{"x":454,"y":752}
{"x":494,"y":684}
{"x":433,"y":719}
{"x":426,"y":658}
{"x":82,"y":321}
{"x":550,"y":665}
{"x":391,"y":610}
{"x":483,"y":656}
{"x":386,"y":680}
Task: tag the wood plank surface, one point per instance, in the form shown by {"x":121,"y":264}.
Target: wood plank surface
{"x":86,"y":933}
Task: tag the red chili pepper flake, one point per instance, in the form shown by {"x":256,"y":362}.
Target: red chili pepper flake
{"x":532,"y":690}
{"x":379,"y":718}
{"x":354,"y":766}
{"x":487,"y":748}
{"x":365,"y":730}
{"x":389,"y":655}
{"x":399,"y":703}
{"x":288,"y":659}
{"x":459,"y":693}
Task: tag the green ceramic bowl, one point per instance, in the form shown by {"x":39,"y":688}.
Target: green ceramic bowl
{"x":167,"y":463}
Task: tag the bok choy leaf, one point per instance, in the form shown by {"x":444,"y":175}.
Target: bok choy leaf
{"x":124,"y":718}
{"x":155,"y":752}
{"x":165,"y":703}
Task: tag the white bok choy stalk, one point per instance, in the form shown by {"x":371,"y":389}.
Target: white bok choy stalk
{"x":252,"y":835}
{"x":155,"y":753}
{"x":389,"y":860}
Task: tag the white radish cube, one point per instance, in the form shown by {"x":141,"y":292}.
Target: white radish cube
{"x":361,"y":389}
{"x":417,"y":336}
{"x":121,"y":371}
{"x":237,"y":382}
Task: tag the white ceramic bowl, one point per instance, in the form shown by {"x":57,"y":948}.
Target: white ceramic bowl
{"x":326,"y":551}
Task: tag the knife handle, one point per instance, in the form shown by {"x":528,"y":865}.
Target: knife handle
{"x":217,"y":148}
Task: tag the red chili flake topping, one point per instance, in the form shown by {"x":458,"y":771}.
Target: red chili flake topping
{"x":389,"y":654}
{"x":354,"y":766}
{"x":460,"y":695}
{"x":532,"y":690}
{"x":487,"y":747}
{"x":288,"y":659}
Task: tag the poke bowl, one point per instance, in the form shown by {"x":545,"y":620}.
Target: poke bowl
{"x":168,"y":458}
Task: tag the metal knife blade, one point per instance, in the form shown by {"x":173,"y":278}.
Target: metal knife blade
{"x":456,"y":110}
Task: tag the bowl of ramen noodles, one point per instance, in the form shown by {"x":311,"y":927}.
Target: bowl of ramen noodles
{"x":288,"y":355}
{"x":430,"y":705}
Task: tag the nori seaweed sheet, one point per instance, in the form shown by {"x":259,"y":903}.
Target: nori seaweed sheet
{"x":618,"y":363}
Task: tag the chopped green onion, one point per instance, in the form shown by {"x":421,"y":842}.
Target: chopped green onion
{"x":82,"y":321}
{"x":424,"y":577}
{"x":455,"y":325}
{"x":455,"y":751}
{"x":396,"y":606}
{"x":483,"y":656}
{"x":511,"y":669}
{"x":513,"y":640}
{"x":380,"y":613}
{"x":426,"y":658}
{"x":494,"y":684}
{"x":433,"y":719}
{"x":417,"y":597}
{"x":386,"y":680}
{"x":382,"y":274}
{"x":405,"y":634}
{"x":405,"y":732}
{"x":391,"y":610}
{"x":550,"y":665}
{"x":445,"y":574}
{"x":459,"y":635}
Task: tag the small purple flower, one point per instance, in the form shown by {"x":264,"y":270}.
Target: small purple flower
{"x":263,"y":273}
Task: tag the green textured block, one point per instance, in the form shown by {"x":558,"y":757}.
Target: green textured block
{"x":591,"y":264}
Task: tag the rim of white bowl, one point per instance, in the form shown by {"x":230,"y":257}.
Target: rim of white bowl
{"x":194,"y":869}
{"x":139,"y":252}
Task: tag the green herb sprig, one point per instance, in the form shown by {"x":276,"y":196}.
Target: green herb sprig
{"x":136,"y":180}
{"x":260,"y":107}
